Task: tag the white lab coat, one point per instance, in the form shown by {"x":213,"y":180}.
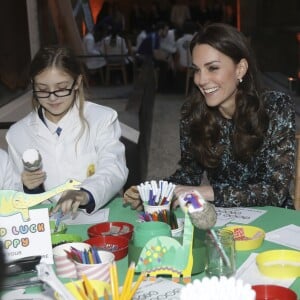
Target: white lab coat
{"x":183,"y":49}
{"x":168,"y":43}
{"x":7,"y":179}
{"x":67,"y":157}
{"x":90,"y":48}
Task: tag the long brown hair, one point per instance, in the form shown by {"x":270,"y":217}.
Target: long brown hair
{"x":250,"y":118}
{"x":64,"y":59}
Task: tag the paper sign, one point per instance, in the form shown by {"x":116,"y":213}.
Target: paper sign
{"x":285,"y":236}
{"x":243,"y":215}
{"x":21,"y":239}
{"x":83,"y":218}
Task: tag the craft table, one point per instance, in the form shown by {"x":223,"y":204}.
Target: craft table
{"x":274,"y":218}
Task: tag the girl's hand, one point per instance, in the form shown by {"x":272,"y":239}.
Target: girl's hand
{"x":33,"y":179}
{"x":132,"y":197}
{"x":70,"y":201}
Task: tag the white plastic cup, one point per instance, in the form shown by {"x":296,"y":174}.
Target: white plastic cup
{"x":178,"y":232}
{"x":64,"y":266}
{"x":150,"y":209}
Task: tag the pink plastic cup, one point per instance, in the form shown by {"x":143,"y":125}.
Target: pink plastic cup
{"x":65,"y":267}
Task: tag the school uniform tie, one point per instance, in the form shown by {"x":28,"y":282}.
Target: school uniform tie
{"x":58,"y":131}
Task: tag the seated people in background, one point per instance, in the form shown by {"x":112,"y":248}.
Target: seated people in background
{"x":183,"y":55}
{"x":86,"y":147}
{"x":168,"y":42}
{"x":114,"y":45}
{"x":142,"y":34}
{"x":150,"y":49}
{"x":243,"y":137}
{"x":90,"y":48}
{"x":150,"y":46}
{"x":180,"y":13}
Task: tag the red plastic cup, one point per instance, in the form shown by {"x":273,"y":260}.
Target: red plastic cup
{"x":272,"y":292}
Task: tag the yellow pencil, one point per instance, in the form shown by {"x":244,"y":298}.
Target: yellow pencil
{"x":90,"y":255}
{"x":80,"y":291}
{"x":87,"y":284}
{"x":136,"y":286}
{"x":114,"y":281}
{"x":106,"y":296}
{"x":128,"y":281}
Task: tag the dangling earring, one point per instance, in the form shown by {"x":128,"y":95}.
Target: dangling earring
{"x":240,"y":80}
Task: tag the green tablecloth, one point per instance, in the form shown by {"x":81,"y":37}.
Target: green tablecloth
{"x":274,"y":218}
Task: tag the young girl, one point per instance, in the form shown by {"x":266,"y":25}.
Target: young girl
{"x":75,"y":138}
{"x":7,"y":180}
{"x":243,"y":138}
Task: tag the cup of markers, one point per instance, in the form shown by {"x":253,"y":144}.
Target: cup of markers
{"x":156,"y":196}
{"x":92,"y":262}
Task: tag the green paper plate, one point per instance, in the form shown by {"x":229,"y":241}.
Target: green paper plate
{"x":62,"y":238}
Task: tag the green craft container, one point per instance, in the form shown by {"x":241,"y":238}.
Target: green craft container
{"x":198,"y":251}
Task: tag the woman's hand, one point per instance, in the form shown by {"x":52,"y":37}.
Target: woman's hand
{"x":205,"y":190}
{"x":70,"y":201}
{"x":132,"y":197}
{"x":33,"y":179}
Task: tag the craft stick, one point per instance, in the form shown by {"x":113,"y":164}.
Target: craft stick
{"x":220,"y":247}
{"x":114,"y":280}
{"x":136,"y":286}
{"x":128,"y":281}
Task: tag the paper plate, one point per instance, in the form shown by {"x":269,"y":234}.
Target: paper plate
{"x":279,"y":263}
{"x":62,"y":238}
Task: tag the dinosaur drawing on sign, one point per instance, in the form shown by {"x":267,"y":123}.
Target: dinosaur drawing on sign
{"x":165,"y":255}
{"x":13,"y":202}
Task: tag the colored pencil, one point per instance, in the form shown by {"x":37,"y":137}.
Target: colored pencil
{"x":90,"y":256}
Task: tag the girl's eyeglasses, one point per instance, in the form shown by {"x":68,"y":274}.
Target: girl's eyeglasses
{"x":57,"y":93}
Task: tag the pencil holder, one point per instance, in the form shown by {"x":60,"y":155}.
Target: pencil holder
{"x":99,"y":271}
{"x":150,"y":209}
{"x":65,"y":267}
{"x":144,"y":231}
{"x":178,"y":232}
